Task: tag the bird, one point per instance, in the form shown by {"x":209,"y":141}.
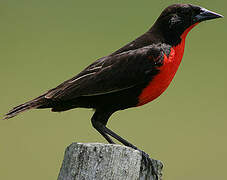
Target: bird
{"x":132,"y":76}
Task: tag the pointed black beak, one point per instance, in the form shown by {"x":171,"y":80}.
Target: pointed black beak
{"x":206,"y":15}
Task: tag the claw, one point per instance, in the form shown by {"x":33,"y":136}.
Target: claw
{"x":146,"y":159}
{"x":149,"y":164}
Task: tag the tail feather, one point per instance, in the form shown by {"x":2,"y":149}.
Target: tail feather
{"x":35,"y":103}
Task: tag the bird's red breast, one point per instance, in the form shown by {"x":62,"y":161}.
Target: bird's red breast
{"x":167,"y":71}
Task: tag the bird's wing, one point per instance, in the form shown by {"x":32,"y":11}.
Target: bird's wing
{"x":112,"y":73}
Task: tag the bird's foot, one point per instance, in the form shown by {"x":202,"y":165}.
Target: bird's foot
{"x":149,"y":165}
{"x":146,"y":158}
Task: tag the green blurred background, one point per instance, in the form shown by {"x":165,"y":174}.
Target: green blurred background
{"x":46,"y":42}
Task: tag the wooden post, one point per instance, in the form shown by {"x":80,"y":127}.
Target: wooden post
{"x":96,"y":161}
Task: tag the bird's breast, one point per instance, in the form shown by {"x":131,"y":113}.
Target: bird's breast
{"x":161,"y":81}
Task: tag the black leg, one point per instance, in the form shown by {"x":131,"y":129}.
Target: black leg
{"x":98,"y":126}
{"x":99,"y":121}
{"x":119,"y":138}
{"x":145,"y":156}
{"x":99,"y":129}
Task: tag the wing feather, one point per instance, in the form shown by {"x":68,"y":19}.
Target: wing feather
{"x":111,"y":74}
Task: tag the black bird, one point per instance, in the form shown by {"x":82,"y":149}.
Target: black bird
{"x":133,"y":75}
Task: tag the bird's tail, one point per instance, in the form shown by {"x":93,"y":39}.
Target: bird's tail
{"x":35,"y":103}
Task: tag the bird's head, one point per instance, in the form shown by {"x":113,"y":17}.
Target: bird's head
{"x":178,"y":19}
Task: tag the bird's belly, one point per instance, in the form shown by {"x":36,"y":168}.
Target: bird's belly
{"x":162,"y":80}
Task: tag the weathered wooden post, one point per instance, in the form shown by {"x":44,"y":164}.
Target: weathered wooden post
{"x":96,"y":161}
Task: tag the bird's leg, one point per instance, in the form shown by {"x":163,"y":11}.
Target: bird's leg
{"x":119,"y":138}
{"x":99,"y":121}
{"x":125,"y":142}
{"x":99,"y":129}
{"x":98,"y":126}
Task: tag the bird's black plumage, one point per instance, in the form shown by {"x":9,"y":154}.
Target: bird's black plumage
{"x":110,"y":78}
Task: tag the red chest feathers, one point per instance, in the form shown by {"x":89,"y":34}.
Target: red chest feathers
{"x":162,"y":80}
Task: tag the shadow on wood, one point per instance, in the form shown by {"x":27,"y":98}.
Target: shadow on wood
{"x":96,"y":161}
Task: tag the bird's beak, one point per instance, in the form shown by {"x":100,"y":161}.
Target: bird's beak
{"x":206,"y":15}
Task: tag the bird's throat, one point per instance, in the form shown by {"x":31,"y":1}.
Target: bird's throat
{"x":185,"y":33}
{"x":179,"y":48}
